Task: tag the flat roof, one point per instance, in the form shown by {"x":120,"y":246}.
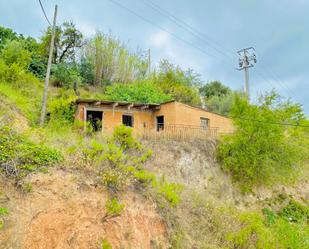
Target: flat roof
{"x":109,"y":102}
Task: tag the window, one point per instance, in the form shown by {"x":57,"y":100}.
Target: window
{"x":204,"y":123}
{"x":127,"y":120}
{"x":160,"y":123}
{"x":94,"y":118}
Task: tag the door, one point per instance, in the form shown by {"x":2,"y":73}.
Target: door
{"x":94,"y":119}
{"x":160,"y":123}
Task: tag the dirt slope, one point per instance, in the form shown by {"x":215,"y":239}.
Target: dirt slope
{"x":65,"y":211}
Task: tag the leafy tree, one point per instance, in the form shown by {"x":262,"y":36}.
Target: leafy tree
{"x":214,"y":88}
{"x":86,"y":71}
{"x":143,"y":92}
{"x":220,"y":104}
{"x":14,"y":52}
{"x":260,"y":150}
{"x":182,"y":85}
{"x":7,"y":34}
{"x":65,"y":75}
{"x":67,"y":40}
{"x":113,"y":62}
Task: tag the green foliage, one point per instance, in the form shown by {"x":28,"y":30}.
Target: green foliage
{"x":253,"y":233}
{"x":3,"y":213}
{"x":295,"y":212}
{"x":62,"y":109}
{"x":114,"y":207}
{"x":141,"y":92}
{"x":19,"y":156}
{"x":106,"y":245}
{"x":182,"y":85}
{"x":170,"y":191}
{"x":14,"y":53}
{"x":214,"y":88}
{"x":65,"y":75}
{"x":7,"y":34}
{"x":122,"y":136}
{"x":67,"y":40}
{"x":260,"y":152}
{"x":113,"y":62}
{"x":86,"y":70}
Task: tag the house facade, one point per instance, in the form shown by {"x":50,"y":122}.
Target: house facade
{"x":167,"y":118}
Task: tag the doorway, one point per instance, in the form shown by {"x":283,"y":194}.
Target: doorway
{"x":160,"y":123}
{"x":94,"y":119}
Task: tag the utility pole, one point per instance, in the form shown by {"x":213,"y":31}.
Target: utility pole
{"x":50,"y":57}
{"x":246,"y":56}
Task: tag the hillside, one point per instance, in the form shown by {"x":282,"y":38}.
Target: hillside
{"x":63,"y":185}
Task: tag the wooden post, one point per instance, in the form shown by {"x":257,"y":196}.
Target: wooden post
{"x":50,"y":57}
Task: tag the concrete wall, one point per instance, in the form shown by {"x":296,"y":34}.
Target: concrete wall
{"x":182,"y":114}
{"x":111,"y":118}
{"x":174,"y":113}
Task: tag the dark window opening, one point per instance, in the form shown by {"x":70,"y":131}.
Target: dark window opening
{"x":127,"y":120}
{"x":94,"y":119}
{"x":160,"y":123}
{"x":204,"y":123}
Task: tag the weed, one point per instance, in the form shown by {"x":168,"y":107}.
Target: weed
{"x":114,"y":207}
{"x":106,"y":245}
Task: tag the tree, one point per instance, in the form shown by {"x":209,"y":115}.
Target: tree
{"x":7,"y":34}
{"x":14,"y":52}
{"x":214,"y":88}
{"x":261,"y":150}
{"x":67,"y":40}
{"x":182,"y":85}
{"x":113,"y":62}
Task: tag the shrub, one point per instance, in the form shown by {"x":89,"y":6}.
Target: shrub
{"x":260,"y":151}
{"x":62,"y":109}
{"x":106,"y":245}
{"x":142,"y":92}
{"x":114,"y":207}
{"x":170,"y":192}
{"x":122,"y":136}
{"x":295,"y":212}
{"x":3,"y":212}
{"x":19,"y":156}
{"x":252,"y":234}
{"x":65,"y":75}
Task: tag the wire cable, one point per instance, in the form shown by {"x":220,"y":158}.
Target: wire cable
{"x":167,"y":31}
{"x":274,"y":123}
{"x":44,"y":13}
{"x":193,"y":31}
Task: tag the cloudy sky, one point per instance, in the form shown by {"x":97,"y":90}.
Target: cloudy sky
{"x":278,"y":30}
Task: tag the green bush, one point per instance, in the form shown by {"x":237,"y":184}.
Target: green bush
{"x":170,"y":191}
{"x":114,"y":207}
{"x":62,"y":109}
{"x":106,"y":245}
{"x":65,"y":75}
{"x":142,"y":92}
{"x":252,"y":234}
{"x":295,"y":212}
{"x":18,"y":155}
{"x":3,"y":212}
{"x":259,"y":151}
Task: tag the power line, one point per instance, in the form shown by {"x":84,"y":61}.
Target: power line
{"x":195,"y":32}
{"x":167,"y":31}
{"x":274,"y":123}
{"x":44,"y":13}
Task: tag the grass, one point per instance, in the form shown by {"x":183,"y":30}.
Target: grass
{"x":28,"y":105}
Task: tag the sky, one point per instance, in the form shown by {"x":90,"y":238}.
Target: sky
{"x":278,"y":30}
